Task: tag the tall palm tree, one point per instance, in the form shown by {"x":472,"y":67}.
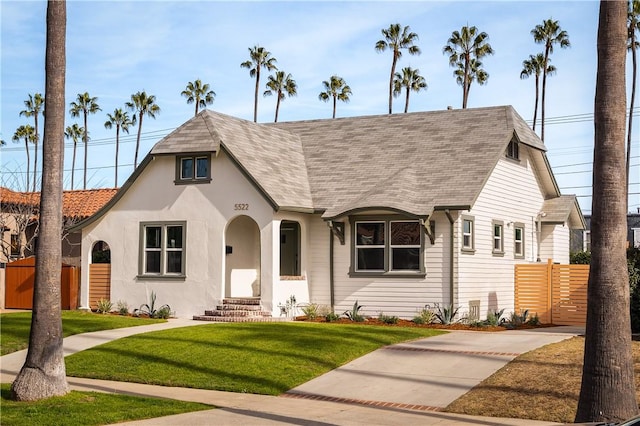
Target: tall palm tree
{"x":337,"y":90}
{"x":34,"y":106}
{"x":534,"y":66}
{"x":548,"y":33}
{"x":142,"y":104}
{"x":463,"y":47}
{"x":281,"y":85}
{"x":43,"y":373}
{"x":27,"y":133}
{"x":73,"y":132}
{"x":199,"y":94}
{"x":85,"y":105}
{"x":607,"y":393}
{"x":409,"y":79}
{"x":633,"y":22}
{"x":259,"y":58}
{"x":396,"y":39}
{"x":121,"y":120}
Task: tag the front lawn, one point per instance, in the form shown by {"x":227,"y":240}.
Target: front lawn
{"x":89,"y":408}
{"x":261,"y":358}
{"x":15,"y":327}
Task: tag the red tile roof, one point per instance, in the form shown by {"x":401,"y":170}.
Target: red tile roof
{"x":78,"y":204}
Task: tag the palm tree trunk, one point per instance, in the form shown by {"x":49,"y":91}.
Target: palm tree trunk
{"x":196,"y":108}
{"x":393,"y":71}
{"x":43,"y":373}
{"x":115,"y":180}
{"x":135,"y":158}
{"x":544,"y":91}
{"x":634,"y":73}
{"x":85,"y":139}
{"x":73,"y":162}
{"x":35,"y":153}
{"x":334,"y":106}
{"x":277,"y":107}
{"x":608,"y":390}
{"x":406,"y":103}
{"x":255,"y":96}
{"x":535,"y":108}
{"x":26,"y":145}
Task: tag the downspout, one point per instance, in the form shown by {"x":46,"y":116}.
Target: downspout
{"x":451,"y":252}
{"x":331,"y":238}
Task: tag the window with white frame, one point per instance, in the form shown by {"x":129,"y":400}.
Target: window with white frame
{"x":636,"y":237}
{"x":193,"y":168}
{"x":498,"y":237}
{"x":468,"y":237}
{"x":162,"y":249}
{"x":518,"y":240}
{"x":586,"y":240}
{"x":390,"y":245}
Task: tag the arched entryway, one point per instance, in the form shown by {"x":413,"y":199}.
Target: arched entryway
{"x":99,"y":273}
{"x":242,"y":258}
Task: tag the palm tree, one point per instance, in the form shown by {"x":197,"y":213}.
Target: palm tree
{"x":534,"y":66}
{"x":607,"y":393}
{"x":34,"y":106}
{"x":199,"y":94}
{"x":259,"y":58}
{"x":463,"y":47}
{"x":121,"y":120}
{"x":43,"y":373}
{"x":548,"y":33}
{"x":86,"y":105}
{"x":411,"y":80}
{"x":397,"y":38}
{"x":337,"y":90}
{"x":633,"y":21}
{"x":281,"y":85}
{"x":142,"y":104}
{"x":27,"y":133}
{"x":73,"y":132}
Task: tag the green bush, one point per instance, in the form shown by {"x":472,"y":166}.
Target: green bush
{"x":424,"y":316}
{"x":388,"y":319}
{"x":354,"y":314}
{"x":311,"y":311}
{"x":494,"y":317}
{"x":150,"y":310}
{"x":104,"y":306}
{"x":331,"y":317}
{"x":580,"y":257}
{"x":122,"y":307}
{"x":446,"y":314}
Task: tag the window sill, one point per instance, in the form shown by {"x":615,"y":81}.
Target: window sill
{"x":161,"y":277}
{"x":192,"y":181}
{"x":468,"y":251}
{"x":498,"y":253}
{"x":292,"y":278}
{"x":514,"y":159}
{"x":392,"y":274}
{"x":517,"y":256}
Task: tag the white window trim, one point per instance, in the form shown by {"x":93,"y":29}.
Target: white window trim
{"x":516,"y":254}
{"x":499,"y":239}
{"x":471,"y":248}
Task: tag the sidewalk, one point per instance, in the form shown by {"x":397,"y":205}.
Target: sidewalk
{"x":399,"y":384}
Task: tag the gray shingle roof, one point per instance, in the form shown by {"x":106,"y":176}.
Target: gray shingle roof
{"x":412,"y":162}
{"x":558,"y":209}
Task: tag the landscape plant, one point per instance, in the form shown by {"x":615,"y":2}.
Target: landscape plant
{"x":311,"y":310}
{"x":122,"y":307}
{"x":494,"y":317}
{"x":104,"y":306}
{"x":424,"y":316}
{"x":150,"y":309}
{"x":388,"y":319}
{"x":446,"y":314}
{"x":354,"y":314}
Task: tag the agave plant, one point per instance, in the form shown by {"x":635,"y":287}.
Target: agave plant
{"x":151,"y":311}
{"x":446,"y":314}
{"x":354,"y":314}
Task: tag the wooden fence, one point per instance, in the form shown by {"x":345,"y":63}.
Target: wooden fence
{"x":20,"y":276}
{"x":99,"y":283}
{"x":557,"y":293}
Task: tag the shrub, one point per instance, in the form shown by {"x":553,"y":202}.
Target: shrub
{"x":580,"y":257}
{"x":518,"y":319}
{"x":494,"y":317}
{"x":446,"y":314}
{"x":388,"y":319}
{"x":424,"y":316}
{"x":122,"y":307}
{"x":534,"y":320}
{"x":104,"y":306}
{"x":354,"y":314}
{"x":150,"y":309}
{"x":331,"y":316}
{"x":311,"y":311}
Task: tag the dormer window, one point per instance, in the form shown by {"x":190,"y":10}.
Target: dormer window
{"x":193,"y":169}
{"x":513,"y":150}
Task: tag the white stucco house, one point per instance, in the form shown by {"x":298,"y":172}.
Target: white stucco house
{"x":394,"y":211}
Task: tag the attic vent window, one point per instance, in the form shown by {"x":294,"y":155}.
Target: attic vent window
{"x":193,"y":169}
{"x":513,"y":150}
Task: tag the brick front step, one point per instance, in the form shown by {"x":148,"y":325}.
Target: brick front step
{"x":224,"y":313}
{"x":239,"y":319}
{"x":228,"y":307}
{"x":241,"y":301}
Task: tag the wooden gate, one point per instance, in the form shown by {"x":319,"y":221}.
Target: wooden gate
{"x":99,"y":283}
{"x":20,"y":276}
{"x":557,"y":293}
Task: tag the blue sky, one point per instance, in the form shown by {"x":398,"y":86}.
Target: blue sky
{"x":117,"y":48}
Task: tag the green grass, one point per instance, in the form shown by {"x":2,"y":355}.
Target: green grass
{"x":89,"y":408}
{"x":261,"y":358}
{"x":14,"y":327}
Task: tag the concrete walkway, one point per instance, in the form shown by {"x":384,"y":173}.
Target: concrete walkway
{"x":403,"y":384}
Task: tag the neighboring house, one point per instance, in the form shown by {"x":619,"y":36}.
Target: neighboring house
{"x":581,"y":238}
{"x":19,"y":221}
{"x":394,"y":211}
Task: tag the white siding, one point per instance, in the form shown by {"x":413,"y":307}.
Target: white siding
{"x":511,"y":195}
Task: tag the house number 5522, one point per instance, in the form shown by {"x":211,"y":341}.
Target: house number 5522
{"x":241,"y":206}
